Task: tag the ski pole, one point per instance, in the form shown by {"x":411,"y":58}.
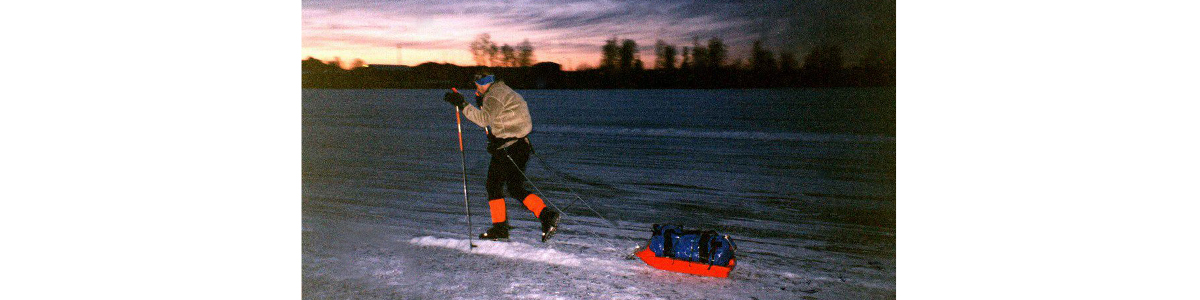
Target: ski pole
{"x":463,"y":154}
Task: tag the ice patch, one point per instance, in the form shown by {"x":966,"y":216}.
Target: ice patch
{"x":512,"y":250}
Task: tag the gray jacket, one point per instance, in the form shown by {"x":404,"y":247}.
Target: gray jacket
{"x":504,"y":110}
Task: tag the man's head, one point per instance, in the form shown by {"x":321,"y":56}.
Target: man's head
{"x":483,"y":81}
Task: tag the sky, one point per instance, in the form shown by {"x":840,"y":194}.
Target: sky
{"x":571,"y":32}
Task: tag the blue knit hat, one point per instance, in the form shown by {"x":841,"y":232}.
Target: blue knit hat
{"x":485,"y":80}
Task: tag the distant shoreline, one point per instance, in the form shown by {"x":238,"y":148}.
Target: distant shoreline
{"x":547,"y":75}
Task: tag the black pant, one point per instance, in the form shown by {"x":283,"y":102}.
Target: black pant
{"x":502,"y":172}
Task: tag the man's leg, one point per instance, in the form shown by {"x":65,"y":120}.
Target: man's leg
{"x":516,"y":183}
{"x":495,"y":190}
{"x":519,"y":154}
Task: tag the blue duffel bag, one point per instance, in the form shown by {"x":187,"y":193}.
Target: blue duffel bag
{"x":702,"y":246}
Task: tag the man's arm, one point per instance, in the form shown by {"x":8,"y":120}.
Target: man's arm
{"x":482,"y":116}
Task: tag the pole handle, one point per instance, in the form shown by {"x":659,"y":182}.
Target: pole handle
{"x":458,"y":119}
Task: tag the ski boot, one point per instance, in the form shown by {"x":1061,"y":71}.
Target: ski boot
{"x":498,"y":232}
{"x":549,"y":220}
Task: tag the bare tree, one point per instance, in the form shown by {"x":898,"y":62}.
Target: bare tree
{"x":687,"y":58}
{"x":716,"y":52}
{"x":608,"y":58}
{"x":525,"y":54}
{"x":823,"y":65}
{"x":824,"y":58}
{"x":761,"y":59}
{"x":627,"y":54}
{"x":699,"y":54}
{"x":787,"y":61}
{"x":509,"y":56}
{"x":493,"y":54}
{"x":482,"y":49}
{"x":665,"y":55}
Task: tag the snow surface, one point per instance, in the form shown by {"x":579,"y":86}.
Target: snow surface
{"x":812,"y":213}
{"x":502,"y":249}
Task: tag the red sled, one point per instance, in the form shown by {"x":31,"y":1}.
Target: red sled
{"x":683,"y":266}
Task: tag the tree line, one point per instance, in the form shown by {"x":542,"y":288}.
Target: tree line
{"x":706,"y":64}
{"x":486,"y":53}
{"x":702,"y":64}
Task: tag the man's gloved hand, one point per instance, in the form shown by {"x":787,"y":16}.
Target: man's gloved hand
{"x":455,"y":99}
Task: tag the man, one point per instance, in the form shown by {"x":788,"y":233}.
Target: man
{"x":505,"y":116}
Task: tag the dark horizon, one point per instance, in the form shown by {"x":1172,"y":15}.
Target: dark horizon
{"x":547,"y":75}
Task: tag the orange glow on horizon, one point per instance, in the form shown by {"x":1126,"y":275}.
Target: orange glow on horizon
{"x":412,"y":57}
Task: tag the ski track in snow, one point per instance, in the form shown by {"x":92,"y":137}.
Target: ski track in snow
{"x":514,"y":250}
